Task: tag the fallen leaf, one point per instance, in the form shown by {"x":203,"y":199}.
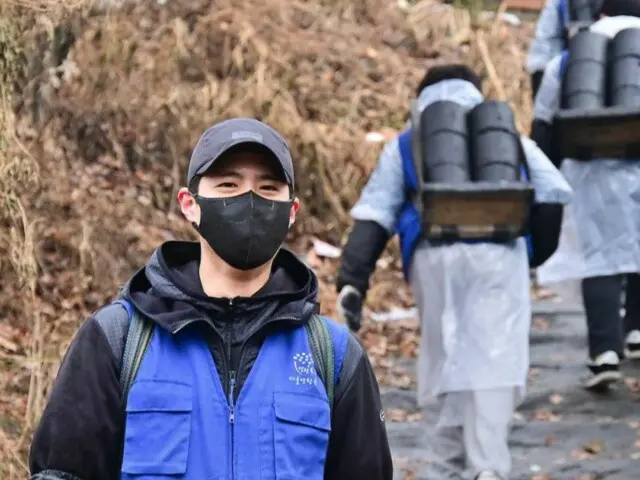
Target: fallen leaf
{"x":395,"y":415}
{"x":540,"y":323}
{"x":8,"y":345}
{"x":556,"y":399}
{"x":543,"y":293}
{"x":408,"y":349}
{"x":327,"y":77}
{"x":594,"y":447}
{"x":371,"y":53}
{"x":546,"y":415}
{"x":549,"y":440}
{"x":379,"y":348}
{"x":415,"y":417}
{"x":581,"y":455}
{"x":374,"y":137}
{"x":401,"y":380}
{"x":324,"y":249}
{"x":633,"y":384}
{"x":541,"y":476}
{"x":313,"y":260}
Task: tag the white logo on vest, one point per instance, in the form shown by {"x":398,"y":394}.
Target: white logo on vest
{"x":305,"y":369}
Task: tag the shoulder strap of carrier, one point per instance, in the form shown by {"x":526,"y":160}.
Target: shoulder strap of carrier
{"x":323,"y":353}
{"x":138,"y":338}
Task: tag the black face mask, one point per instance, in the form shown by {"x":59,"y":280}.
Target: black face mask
{"x":247,"y":230}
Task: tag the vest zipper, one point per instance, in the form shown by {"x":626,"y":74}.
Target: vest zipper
{"x":232,"y":389}
{"x":232,"y":417}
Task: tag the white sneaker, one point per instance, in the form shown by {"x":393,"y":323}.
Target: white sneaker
{"x":632,"y":345}
{"x":488,"y":475}
{"x":605,"y":370}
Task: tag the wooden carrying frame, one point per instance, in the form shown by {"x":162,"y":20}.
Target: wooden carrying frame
{"x":609,"y":132}
{"x":469,"y":211}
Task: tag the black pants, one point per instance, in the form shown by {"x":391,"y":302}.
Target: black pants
{"x":602,"y":302}
{"x":536,"y":80}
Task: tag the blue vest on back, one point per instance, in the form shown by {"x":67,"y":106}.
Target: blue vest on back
{"x":563,"y":14}
{"x":563,"y":63}
{"x":409,"y":224}
{"x":181,"y":424}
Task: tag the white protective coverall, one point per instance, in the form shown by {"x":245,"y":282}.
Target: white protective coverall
{"x":601,"y":228}
{"x":475,"y":308}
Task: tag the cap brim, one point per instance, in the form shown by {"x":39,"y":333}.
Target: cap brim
{"x":235,"y":146}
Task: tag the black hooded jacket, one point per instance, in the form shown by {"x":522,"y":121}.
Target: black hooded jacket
{"x":81,"y":431}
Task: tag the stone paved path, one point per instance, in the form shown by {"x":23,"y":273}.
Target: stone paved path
{"x":560,"y":430}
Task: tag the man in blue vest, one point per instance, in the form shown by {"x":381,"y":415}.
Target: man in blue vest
{"x":228,"y":386}
{"x":473,"y":299}
{"x":600,"y":239}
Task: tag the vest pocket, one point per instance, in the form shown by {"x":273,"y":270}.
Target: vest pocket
{"x":158,"y":427}
{"x":301,"y":435}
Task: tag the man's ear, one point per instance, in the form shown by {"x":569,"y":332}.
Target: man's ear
{"x":295,"y":206}
{"x":188,"y":205}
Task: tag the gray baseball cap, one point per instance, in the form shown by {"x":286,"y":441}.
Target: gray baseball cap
{"x":223,"y":136}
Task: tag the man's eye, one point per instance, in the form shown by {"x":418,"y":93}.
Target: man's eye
{"x":227,"y":185}
{"x":270,"y":188}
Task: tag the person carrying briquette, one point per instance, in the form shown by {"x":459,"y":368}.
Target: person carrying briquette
{"x":473,"y":297}
{"x":552,"y":30}
{"x":600,"y":239}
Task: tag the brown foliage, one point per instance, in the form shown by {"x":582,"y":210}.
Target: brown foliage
{"x":111,"y":104}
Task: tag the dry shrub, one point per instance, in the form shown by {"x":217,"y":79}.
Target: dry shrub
{"x":112,"y":102}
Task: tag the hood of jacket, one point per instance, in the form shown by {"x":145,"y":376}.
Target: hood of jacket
{"x":454,"y":90}
{"x":168,"y":291}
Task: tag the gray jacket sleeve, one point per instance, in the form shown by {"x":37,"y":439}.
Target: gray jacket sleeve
{"x":548,"y":98}
{"x":549,"y":37}
{"x":384,"y":193}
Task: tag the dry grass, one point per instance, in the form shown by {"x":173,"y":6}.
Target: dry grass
{"x":111,"y":103}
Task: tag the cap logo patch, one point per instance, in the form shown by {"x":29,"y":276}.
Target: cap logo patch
{"x":248,"y":135}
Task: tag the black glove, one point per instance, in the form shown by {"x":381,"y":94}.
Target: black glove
{"x":536,"y":80}
{"x":349,"y":307}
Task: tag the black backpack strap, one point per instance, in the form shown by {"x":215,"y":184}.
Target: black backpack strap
{"x":323,"y":354}
{"x":128,"y":334}
{"x":138,"y":338}
{"x":113,"y":319}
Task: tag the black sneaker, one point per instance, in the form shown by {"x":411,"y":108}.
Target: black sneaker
{"x":632,"y":345}
{"x":605,"y":370}
{"x":350,"y":307}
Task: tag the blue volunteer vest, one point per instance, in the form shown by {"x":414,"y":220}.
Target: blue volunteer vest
{"x":563,"y":63}
{"x":563,"y":14}
{"x":409,"y":224}
{"x":181,"y":424}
